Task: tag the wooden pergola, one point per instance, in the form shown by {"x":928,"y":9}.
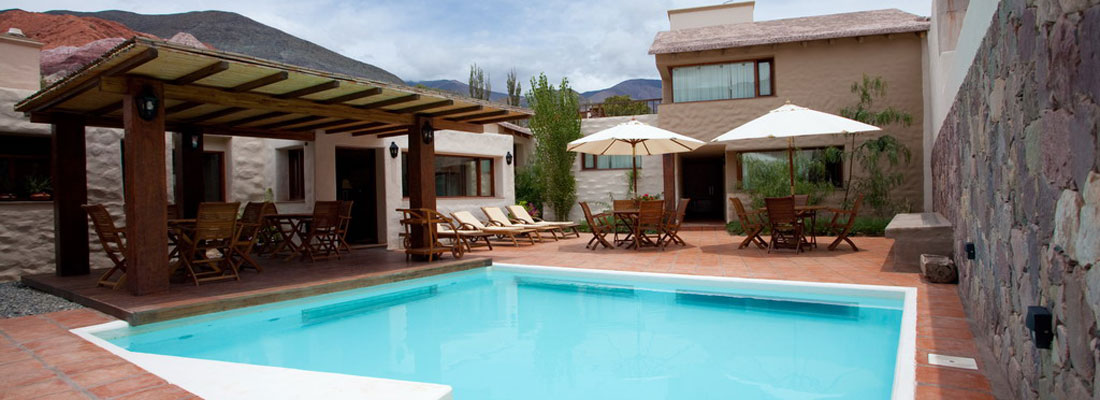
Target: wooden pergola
{"x":149,"y":87}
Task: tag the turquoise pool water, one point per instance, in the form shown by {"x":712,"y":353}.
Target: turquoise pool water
{"x":508,"y":334}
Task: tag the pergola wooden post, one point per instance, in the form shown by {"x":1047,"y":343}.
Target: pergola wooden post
{"x":421,"y":160}
{"x":70,"y":184}
{"x":146,"y":193}
{"x":190,"y":187}
{"x":668,"y":165}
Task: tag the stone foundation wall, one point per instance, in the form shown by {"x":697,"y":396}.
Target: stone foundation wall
{"x":1015,"y":169}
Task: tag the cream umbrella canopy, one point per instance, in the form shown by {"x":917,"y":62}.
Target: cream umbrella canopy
{"x":790,"y":121}
{"x":634,"y":138}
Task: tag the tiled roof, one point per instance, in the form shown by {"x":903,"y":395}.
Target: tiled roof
{"x":864,"y":23}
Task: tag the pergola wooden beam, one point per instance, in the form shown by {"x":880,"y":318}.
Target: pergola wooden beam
{"x":480,"y":115}
{"x":181,"y":107}
{"x":384,"y":129}
{"x":122,"y":67}
{"x":324,"y":125}
{"x":355,"y":127}
{"x":306,"y":91}
{"x":290,"y":122}
{"x":259,"y":83}
{"x":255,"y":118}
{"x":219,"y":129}
{"x":425,"y":106}
{"x":499,"y":119}
{"x":389,"y":102}
{"x":460,"y":110}
{"x":213,"y":115}
{"x":204,"y":72}
{"x":401,"y":132}
{"x":352,"y":96}
{"x":107,"y":109}
{"x":69,"y":178}
{"x":145,"y":193}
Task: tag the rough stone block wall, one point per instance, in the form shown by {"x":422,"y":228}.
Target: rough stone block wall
{"x":1015,"y":170}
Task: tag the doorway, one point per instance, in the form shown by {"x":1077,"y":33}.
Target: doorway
{"x":356,"y":181}
{"x":213,"y":176}
{"x":703,"y":181}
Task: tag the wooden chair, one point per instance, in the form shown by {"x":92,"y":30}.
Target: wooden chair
{"x":250,"y":224}
{"x":623,"y":205}
{"x":672,"y":223}
{"x":173,"y":211}
{"x":467,"y":221}
{"x":750,"y":223}
{"x":785,"y":224}
{"x":205,"y":250}
{"x":270,"y":237}
{"x":321,"y":239}
{"x":651,"y":216}
{"x":842,"y":228}
{"x":427,"y":220}
{"x":345,"y":222}
{"x":620,"y":205}
{"x":520,"y":213}
{"x":801,"y":200}
{"x":113,"y":241}
{"x":601,"y":225}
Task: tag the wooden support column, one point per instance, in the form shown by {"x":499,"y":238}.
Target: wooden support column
{"x":190,"y":186}
{"x":421,"y":158}
{"x":668,"y":167}
{"x":146,"y":192}
{"x":70,"y":191}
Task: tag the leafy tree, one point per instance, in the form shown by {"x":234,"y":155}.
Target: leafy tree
{"x":770,"y":178}
{"x":554,"y":124}
{"x":615,"y":106}
{"x":529,"y":185}
{"x":876,"y":187}
{"x":515,"y":88}
{"x":480,"y":88}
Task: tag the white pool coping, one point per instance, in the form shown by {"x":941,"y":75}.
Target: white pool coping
{"x":211,"y":379}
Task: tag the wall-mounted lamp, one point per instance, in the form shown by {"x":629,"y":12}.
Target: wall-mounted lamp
{"x":508,"y":158}
{"x":970,"y":251}
{"x":394,"y":150}
{"x":147,"y":103}
{"x":194,"y":141}
{"x":1041,"y":324}
{"x":427,"y":132}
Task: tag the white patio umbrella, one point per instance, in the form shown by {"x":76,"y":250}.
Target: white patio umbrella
{"x":634,"y":138}
{"x":790,"y":121}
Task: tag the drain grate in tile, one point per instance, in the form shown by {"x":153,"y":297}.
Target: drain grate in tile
{"x":950,"y":361}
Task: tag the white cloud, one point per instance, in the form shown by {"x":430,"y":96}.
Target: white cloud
{"x":594,"y":43}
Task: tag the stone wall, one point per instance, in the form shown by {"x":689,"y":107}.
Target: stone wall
{"x":1015,"y":169}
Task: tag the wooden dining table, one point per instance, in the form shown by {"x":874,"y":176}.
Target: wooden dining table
{"x":807,"y":211}
{"x":625,"y":218}
{"x":291,"y":228}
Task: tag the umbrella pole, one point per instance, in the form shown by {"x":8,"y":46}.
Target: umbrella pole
{"x":634,"y":166}
{"x":790,"y":160}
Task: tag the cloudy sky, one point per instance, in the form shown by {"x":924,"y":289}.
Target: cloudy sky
{"x":595,"y":43}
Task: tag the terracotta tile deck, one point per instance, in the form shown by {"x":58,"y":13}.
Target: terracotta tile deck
{"x":38,"y":357}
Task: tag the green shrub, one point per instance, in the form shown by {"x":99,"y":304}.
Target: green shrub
{"x":772,"y":179}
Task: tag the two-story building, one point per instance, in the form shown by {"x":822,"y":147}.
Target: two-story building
{"x":720,"y":69}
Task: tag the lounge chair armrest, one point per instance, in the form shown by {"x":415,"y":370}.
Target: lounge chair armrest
{"x":494,"y":223}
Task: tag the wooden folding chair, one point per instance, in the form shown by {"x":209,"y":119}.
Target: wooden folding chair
{"x":623,"y":205}
{"x":342,"y":227}
{"x":269,"y":237}
{"x":205,"y":251}
{"x":113,"y":241}
{"x":601,"y":225}
{"x":250,"y":225}
{"x":321,"y":239}
{"x":750,"y":223}
{"x":785,"y":224}
{"x":844,"y":228}
{"x":672,"y":223}
{"x":650,"y":217}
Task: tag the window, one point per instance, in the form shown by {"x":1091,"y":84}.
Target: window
{"x":24,"y":166}
{"x":722,"y":81}
{"x":457,"y":176}
{"x":592,"y":161}
{"x":813,"y":165}
{"x":296,"y":175}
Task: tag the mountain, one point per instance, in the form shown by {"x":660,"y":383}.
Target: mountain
{"x":638,"y":89}
{"x":236,"y":33}
{"x":64,"y":30}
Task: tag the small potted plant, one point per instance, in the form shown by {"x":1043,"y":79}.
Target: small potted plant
{"x":649,"y":197}
{"x":39,"y":188}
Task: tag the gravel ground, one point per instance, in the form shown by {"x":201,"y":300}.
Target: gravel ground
{"x":17,"y":300}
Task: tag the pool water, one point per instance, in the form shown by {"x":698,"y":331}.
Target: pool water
{"x":509,"y":333}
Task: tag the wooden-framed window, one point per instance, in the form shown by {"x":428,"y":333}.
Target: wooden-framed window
{"x":592,"y":161}
{"x":724,"y":81}
{"x":811,"y":164}
{"x":24,"y":166}
{"x":457,"y":176}
{"x":295,"y":174}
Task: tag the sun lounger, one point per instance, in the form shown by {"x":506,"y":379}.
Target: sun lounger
{"x":499,"y":218}
{"x":469,"y":222}
{"x":469,"y":238}
{"x":520,"y":213}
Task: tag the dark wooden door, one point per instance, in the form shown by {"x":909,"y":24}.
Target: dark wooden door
{"x":356,"y":181}
{"x":703,"y":183}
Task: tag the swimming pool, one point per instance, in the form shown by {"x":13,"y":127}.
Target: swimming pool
{"x":507,"y":332}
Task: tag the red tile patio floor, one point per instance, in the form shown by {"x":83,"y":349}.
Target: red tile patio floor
{"x":40,"y":359}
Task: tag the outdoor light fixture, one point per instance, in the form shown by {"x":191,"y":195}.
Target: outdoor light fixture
{"x":147,"y":103}
{"x":508,"y":158}
{"x":427,"y":132}
{"x":194,"y":141}
{"x":393,"y":149}
{"x":970,"y":251}
{"x":1040,"y":323}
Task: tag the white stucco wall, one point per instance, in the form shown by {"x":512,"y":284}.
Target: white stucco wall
{"x":447,"y":142}
{"x":601,"y":186}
